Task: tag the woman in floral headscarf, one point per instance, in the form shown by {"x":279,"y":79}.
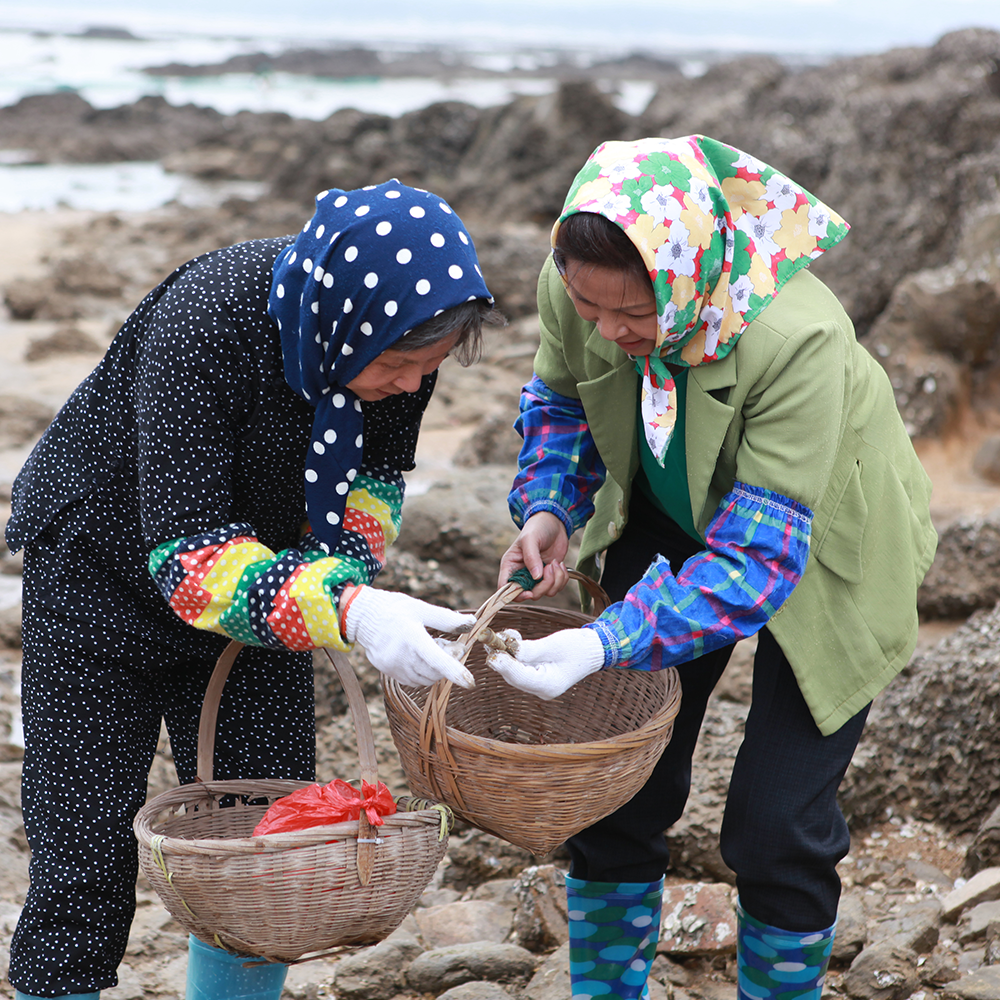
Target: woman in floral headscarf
{"x":233,"y":469}
{"x":701,"y":406}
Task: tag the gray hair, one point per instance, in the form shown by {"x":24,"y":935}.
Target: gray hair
{"x":467,"y":318}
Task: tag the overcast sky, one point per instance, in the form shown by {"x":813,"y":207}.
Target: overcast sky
{"x":821,"y":26}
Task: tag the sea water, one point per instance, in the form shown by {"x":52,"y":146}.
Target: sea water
{"x":108,"y":73}
{"x":44,"y":47}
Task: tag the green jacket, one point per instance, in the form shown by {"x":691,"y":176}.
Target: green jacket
{"x":800,"y":408}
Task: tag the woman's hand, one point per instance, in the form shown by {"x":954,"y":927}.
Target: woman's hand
{"x":393,"y":629}
{"x":541,"y":547}
{"x":548,"y":667}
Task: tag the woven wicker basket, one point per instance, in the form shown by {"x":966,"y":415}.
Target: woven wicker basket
{"x":529,"y":771}
{"x":290,"y":896}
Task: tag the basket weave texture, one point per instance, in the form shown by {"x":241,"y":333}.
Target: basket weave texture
{"x":529,"y":771}
{"x":290,"y":896}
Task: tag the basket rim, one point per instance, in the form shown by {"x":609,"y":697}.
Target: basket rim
{"x":458,"y":738}
{"x":268,"y":844}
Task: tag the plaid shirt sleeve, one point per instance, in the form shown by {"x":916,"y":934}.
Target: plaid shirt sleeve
{"x":559,"y":469}
{"x":757,"y":547}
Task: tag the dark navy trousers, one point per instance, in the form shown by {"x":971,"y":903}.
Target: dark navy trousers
{"x":92,"y":714}
{"x":783,"y":832}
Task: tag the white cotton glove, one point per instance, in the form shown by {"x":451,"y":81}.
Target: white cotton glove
{"x":393,"y":629}
{"x":548,"y":667}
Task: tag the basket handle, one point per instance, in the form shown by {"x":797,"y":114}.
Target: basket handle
{"x":210,"y":710}
{"x":366,"y":756}
{"x":362,"y":728}
{"x":433,"y":717}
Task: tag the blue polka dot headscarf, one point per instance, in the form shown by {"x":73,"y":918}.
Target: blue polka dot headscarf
{"x":367,"y":268}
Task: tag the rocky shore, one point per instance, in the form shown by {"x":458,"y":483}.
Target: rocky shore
{"x":906,"y":145}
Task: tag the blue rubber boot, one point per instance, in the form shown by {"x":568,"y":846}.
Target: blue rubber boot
{"x":18,"y":995}
{"x":214,"y":974}
{"x":772,"y":964}
{"x":613,"y":930}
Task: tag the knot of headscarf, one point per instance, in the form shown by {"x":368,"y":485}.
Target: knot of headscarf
{"x":720,"y":233}
{"x":368,"y":267}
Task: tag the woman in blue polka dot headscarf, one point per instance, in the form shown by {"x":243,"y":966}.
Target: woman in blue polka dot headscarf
{"x":367,"y":269}
{"x":233,"y":469}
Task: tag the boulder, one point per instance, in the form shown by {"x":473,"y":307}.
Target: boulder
{"x":901,"y":143}
{"x":698,"y":919}
{"x":476,"y":857}
{"x":939,"y":341}
{"x":984,"y":851}
{"x":976,"y":922}
{"x":10,"y":627}
{"x":983,"y":887}
{"x":421,"y":578}
{"x":462,"y":521}
{"x":65,"y":340}
{"x":22,"y":420}
{"x":444,"y":968}
{"x":883,"y":971}
{"x":337,"y":750}
{"x":931,"y":748}
{"x":965,"y":574}
{"x":481,"y":990}
{"x":540,"y":920}
{"x":852,"y":929}
{"x":63,"y":127}
{"x":526,"y":153}
{"x":494,"y":441}
{"x":984,"y":984}
{"x":463,"y":923}
{"x":915,"y":926}
{"x":987,"y":460}
{"x":377,"y":973}
{"x":694,"y":838}
{"x":551,"y":980}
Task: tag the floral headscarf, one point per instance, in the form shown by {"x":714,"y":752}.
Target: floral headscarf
{"x":368,"y":267}
{"x":719,"y":232}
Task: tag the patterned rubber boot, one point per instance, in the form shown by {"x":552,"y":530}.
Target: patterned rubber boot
{"x":18,"y":995}
{"x":613,"y":930}
{"x":214,"y":974}
{"x":773,"y":964}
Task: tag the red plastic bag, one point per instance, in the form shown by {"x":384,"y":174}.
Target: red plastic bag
{"x":323,"y":805}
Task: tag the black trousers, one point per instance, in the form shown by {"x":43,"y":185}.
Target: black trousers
{"x":91,"y":723}
{"x":783,"y":832}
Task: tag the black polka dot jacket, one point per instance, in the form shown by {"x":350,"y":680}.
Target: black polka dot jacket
{"x":169,"y":489}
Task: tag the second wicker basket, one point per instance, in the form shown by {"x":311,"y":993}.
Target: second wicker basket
{"x":529,"y":771}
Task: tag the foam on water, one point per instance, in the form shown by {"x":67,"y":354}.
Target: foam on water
{"x":109,"y":187}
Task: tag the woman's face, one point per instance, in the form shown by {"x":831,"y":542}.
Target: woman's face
{"x":393,"y":372}
{"x":622,"y":306}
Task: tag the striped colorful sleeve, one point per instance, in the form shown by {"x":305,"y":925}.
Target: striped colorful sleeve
{"x":758,"y":544}
{"x":559,"y":469}
{"x":226,"y":581}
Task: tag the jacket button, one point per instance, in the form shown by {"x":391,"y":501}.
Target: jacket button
{"x":621,"y":508}
{"x":612,"y":529}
